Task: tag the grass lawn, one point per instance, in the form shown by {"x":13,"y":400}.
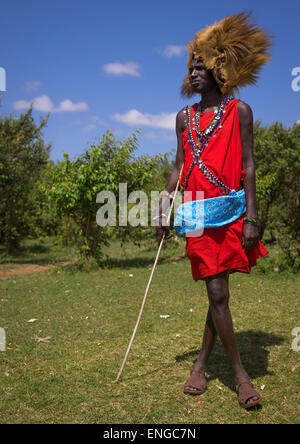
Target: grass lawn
{"x":90,"y":317}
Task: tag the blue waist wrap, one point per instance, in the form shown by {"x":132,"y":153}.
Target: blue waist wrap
{"x":210,"y":213}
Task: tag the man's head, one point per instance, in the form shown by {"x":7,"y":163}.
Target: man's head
{"x":233,"y":51}
{"x":201,"y":79}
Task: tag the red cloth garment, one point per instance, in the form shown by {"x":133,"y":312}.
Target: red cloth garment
{"x":218,"y":249}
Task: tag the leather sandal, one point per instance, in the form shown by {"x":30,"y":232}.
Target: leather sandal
{"x":248,"y":392}
{"x":199,"y":385}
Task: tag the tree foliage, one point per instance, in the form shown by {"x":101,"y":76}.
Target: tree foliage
{"x":277,"y":159}
{"x":76,"y":183}
{"x":23,"y":155}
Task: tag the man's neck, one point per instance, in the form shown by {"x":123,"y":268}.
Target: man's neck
{"x":210,"y":99}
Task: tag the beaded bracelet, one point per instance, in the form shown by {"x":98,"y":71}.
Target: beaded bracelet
{"x":250,"y":220}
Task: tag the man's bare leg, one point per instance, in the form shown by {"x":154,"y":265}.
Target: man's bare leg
{"x":218,"y":295}
{"x":219,"y":321}
{"x":208,"y":342}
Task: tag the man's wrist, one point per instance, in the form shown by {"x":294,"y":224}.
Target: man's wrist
{"x":166,"y":193}
{"x":251,"y":220}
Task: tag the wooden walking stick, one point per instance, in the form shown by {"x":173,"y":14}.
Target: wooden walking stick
{"x":149,"y":283}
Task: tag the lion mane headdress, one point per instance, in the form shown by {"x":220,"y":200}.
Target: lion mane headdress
{"x":233,"y":49}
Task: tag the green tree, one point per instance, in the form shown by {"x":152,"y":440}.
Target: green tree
{"x":41,"y":215}
{"x":277,"y":158}
{"x":23,"y":155}
{"x":75,"y":185}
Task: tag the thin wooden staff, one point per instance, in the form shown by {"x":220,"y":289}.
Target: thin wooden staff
{"x":149,"y":283}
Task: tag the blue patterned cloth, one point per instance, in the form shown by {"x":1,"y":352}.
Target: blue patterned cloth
{"x":210,"y":213}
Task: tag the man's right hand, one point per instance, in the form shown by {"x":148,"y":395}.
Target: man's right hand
{"x":162,"y":228}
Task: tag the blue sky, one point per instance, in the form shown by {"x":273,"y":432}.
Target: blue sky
{"x":119,"y":65}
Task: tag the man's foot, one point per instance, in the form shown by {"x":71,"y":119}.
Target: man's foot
{"x":197,"y":382}
{"x":247,"y":396}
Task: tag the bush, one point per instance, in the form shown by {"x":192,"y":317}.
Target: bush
{"x":76,"y":184}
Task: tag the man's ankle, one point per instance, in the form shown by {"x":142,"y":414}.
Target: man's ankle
{"x":199,"y":363}
{"x":241,"y":375}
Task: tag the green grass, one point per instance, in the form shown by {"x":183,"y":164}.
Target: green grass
{"x":90,"y":318}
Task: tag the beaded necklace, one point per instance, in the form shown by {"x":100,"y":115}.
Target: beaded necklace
{"x":202,"y":140}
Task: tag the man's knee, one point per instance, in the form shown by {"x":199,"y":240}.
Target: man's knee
{"x":218,"y":295}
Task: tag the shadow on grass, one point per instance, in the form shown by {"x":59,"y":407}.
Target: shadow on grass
{"x":137,"y":262}
{"x":254,"y":356}
{"x":22,"y":255}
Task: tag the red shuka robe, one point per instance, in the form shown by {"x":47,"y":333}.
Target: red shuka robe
{"x":220,"y":248}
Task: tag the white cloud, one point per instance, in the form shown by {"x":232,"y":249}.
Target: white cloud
{"x":21,"y":104}
{"x":68,"y":105}
{"x":42,"y":103}
{"x":298,"y":122}
{"x":32,"y":86}
{"x":122,"y":69}
{"x":45,"y":104}
{"x":90,"y":127}
{"x":173,"y":51}
{"x":136,"y":118}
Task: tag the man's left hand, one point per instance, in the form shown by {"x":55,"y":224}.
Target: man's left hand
{"x":250,"y":236}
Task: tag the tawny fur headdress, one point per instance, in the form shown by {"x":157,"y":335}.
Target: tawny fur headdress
{"x":234,"y":49}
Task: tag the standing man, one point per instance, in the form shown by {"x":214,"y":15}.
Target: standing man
{"x":215,"y":147}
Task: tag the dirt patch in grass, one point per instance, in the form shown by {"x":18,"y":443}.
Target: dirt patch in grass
{"x":28,"y":269}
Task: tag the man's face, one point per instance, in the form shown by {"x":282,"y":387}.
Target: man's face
{"x":201,"y":79}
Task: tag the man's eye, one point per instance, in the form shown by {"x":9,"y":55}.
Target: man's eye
{"x":196,"y":68}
